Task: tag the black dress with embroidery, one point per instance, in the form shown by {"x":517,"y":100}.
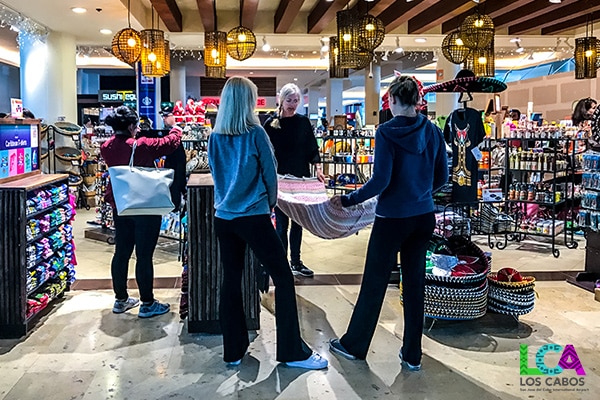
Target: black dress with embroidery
{"x":464,"y":131}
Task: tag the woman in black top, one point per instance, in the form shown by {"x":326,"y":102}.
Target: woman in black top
{"x":295,"y":149}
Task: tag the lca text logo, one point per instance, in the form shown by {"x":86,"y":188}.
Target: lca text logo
{"x":568,"y":360}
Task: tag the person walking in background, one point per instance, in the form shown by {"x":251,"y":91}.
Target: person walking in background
{"x":410,"y":164}
{"x":140,"y":231}
{"x":243,"y":167}
{"x":296,"y":149}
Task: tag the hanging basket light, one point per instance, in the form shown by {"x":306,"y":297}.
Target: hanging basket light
{"x":167,"y":61}
{"x":241,"y":43}
{"x":587,"y":53}
{"x":347,"y":38}
{"x":153,"y":52}
{"x":586,"y":57}
{"x":482,"y":61}
{"x":454,"y":49}
{"x":127,"y":46}
{"x":371,"y":33}
{"x":335,"y":71}
{"x":215,"y":49}
{"x":214,"y":72}
{"x":363,"y":59}
{"x":477,"y":31}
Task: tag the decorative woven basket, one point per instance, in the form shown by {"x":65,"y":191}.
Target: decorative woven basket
{"x":68,"y":153}
{"x":67,"y":128}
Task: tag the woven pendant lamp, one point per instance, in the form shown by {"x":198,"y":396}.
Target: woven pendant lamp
{"x":477,"y":31}
{"x":126,"y":44}
{"x":482,"y":61}
{"x":153,"y":52}
{"x":214,"y":72}
{"x":371,"y":32}
{"x":215,"y":49}
{"x":167,"y":61}
{"x":335,"y":71}
{"x":587,"y":56}
{"x":241,"y":41}
{"x":363,"y":59}
{"x":347,"y":38}
{"x":454,"y":49}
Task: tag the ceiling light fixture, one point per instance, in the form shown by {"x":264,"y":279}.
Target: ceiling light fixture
{"x":398,"y":48}
{"x":586,"y":56}
{"x":385,"y":56}
{"x":555,"y":1}
{"x":266,"y":46}
{"x":126,"y":44}
{"x":324,"y":45}
{"x":420,"y":40}
{"x":78,"y":10}
{"x":241,"y":42}
{"x":105,"y":31}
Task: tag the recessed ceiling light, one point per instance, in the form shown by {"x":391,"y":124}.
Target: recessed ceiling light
{"x":555,"y":1}
{"x":295,"y":79}
{"x":420,"y":40}
{"x":78,"y":10}
{"x":105,"y":31}
{"x":251,"y":73}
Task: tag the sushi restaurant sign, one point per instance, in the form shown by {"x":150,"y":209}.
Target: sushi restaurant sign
{"x":116,"y":96}
{"x":545,"y":376}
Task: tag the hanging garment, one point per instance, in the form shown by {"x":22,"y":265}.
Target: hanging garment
{"x":305,"y":201}
{"x":464,"y":131}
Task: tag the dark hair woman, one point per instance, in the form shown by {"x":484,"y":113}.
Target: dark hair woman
{"x":141,"y":231}
{"x":410,"y":164}
{"x":584,"y":109}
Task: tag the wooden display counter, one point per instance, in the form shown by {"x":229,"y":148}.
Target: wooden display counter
{"x":204,"y":263}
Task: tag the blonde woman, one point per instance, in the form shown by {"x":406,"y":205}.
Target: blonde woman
{"x":245,"y":181}
{"x":296,"y":149}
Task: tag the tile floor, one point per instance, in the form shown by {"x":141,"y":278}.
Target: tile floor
{"x":80,"y":350}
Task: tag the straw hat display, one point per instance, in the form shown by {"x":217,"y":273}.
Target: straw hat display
{"x":510,"y":293}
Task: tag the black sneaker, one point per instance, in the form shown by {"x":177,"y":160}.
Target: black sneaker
{"x":301,"y":269}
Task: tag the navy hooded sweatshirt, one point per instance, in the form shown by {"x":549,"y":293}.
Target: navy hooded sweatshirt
{"x":410,"y":164}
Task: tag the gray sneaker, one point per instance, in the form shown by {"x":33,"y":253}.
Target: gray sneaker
{"x":123,"y":305}
{"x":156,"y":308}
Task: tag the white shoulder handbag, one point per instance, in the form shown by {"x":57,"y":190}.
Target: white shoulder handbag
{"x":141,"y":190}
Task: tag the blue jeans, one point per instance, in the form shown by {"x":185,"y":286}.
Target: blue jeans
{"x":257,"y":232}
{"x":282,"y":223}
{"x":142,"y":233}
{"x":409,"y":236}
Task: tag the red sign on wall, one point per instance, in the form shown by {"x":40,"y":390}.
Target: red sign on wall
{"x":260,"y":102}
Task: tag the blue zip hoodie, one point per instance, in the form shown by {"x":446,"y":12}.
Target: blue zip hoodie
{"x":244,"y":172}
{"x":410,"y":164}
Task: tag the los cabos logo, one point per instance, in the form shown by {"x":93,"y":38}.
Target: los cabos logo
{"x":568,"y":360}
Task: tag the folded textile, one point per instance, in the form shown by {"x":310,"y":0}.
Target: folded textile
{"x":305,"y":201}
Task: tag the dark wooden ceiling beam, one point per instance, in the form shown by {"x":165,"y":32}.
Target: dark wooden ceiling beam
{"x":437,"y":15}
{"x":207,"y":15}
{"x":374,"y":8}
{"x":566,"y":25}
{"x":530,"y":11}
{"x":323,"y":14}
{"x":400,"y":12}
{"x":169,"y":13}
{"x":250,"y":8}
{"x":553,"y":17}
{"x":492,"y":8}
{"x":285,"y":15}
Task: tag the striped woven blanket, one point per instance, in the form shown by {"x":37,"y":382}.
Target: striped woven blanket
{"x":305,"y":201}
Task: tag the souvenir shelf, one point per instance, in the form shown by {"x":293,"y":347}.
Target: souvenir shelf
{"x":36,"y":261}
{"x":347,"y":158}
{"x":540,"y":171}
{"x":589,"y":218}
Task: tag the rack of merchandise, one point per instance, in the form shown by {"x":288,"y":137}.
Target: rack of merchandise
{"x":589,"y":218}
{"x":36,"y":262}
{"x":540,"y":186}
{"x":347,"y":158}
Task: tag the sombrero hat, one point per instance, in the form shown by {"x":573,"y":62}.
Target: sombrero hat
{"x":466,"y":81}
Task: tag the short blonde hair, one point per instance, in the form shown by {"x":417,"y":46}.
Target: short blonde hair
{"x":236,"y":111}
